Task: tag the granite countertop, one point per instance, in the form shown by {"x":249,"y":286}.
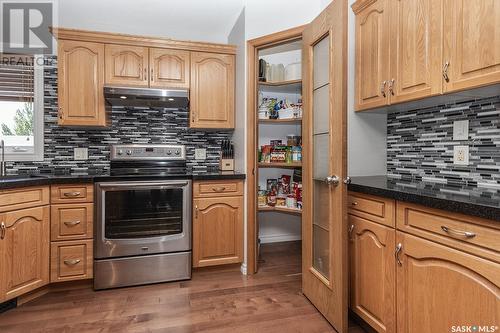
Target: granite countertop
{"x":15,"y":181}
{"x":470,"y":200}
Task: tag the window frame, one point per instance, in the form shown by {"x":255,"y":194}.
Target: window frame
{"x":35,"y":154}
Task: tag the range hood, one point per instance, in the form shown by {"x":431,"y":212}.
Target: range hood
{"x":129,"y":96}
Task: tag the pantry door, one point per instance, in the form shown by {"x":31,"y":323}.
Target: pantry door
{"x":324,"y":223}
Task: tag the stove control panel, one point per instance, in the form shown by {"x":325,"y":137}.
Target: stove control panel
{"x":148,"y":152}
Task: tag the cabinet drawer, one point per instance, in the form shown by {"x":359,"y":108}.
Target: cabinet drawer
{"x":23,"y":198}
{"x":71,"y":221}
{"x":460,"y":231}
{"x":72,"y":193}
{"x":373,"y":208}
{"x":71,"y":260}
{"x":217,"y":188}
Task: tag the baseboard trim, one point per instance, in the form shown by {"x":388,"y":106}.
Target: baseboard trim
{"x":279,"y":238}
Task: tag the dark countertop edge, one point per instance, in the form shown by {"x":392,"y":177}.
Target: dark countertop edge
{"x":42,"y":180}
{"x":462,"y":207}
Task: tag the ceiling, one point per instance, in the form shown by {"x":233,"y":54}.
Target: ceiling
{"x":199,"y":20}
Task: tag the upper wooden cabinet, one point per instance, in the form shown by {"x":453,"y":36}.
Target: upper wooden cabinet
{"x":24,"y":251}
{"x":472,"y":43}
{"x":80,"y":83}
{"x":126,"y":65}
{"x":169,"y":68}
{"x":412,"y":49}
{"x":372,"y":54}
{"x":212,"y":90}
{"x":439,"y":287}
{"x":415,"y":49}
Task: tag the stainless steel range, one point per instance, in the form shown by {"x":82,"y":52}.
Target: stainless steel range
{"x":143,"y":222}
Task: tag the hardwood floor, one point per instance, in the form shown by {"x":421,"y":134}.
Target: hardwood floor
{"x":215,"y":300}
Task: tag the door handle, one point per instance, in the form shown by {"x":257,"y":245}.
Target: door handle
{"x":332,"y":180}
{"x":459,"y":233}
{"x":351,"y":229}
{"x":382,"y":88}
{"x":145,"y":74}
{"x":399,"y":247}
{"x":196,"y":211}
{"x":72,"y":223}
{"x":391,"y":86}
{"x":72,"y":262}
{"x":152,"y":75}
{"x":445,"y":71}
{"x":3,"y":230}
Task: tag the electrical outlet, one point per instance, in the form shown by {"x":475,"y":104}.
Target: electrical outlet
{"x":461,"y":155}
{"x":461,"y":130}
{"x":200,"y":154}
{"x":81,"y":154}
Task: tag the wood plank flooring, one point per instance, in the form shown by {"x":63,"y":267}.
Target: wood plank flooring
{"x":215,"y":300}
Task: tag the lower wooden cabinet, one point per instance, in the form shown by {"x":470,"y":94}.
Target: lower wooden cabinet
{"x":71,"y":260}
{"x":217,"y":231}
{"x":440,"y":288}
{"x":372,"y":273}
{"x":24,"y":251}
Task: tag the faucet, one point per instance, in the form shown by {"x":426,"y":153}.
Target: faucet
{"x":3,"y":165}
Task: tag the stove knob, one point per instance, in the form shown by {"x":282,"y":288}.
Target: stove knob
{"x":129,"y":152}
{"x":119,"y":152}
{"x":177,"y":152}
{"x":169,"y":152}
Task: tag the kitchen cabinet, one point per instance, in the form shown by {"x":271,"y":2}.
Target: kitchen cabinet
{"x":472,"y":43}
{"x":411,"y":49}
{"x":212,"y":90}
{"x":126,"y":65}
{"x":217,"y":227}
{"x":439,"y":287}
{"x":372,"y":270}
{"x":169,"y":68}
{"x":372,"y":53}
{"x":80,"y":83}
{"x":71,"y":260}
{"x":24,"y":251}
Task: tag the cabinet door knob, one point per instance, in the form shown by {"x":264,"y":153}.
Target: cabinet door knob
{"x":152,"y":75}
{"x":3,"y":230}
{"x":382,"y":88}
{"x":399,"y":247}
{"x":196,"y":211}
{"x":391,"y":86}
{"x":445,"y":71}
{"x":351,"y":229}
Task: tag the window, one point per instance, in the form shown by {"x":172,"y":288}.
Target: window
{"x":21,"y":107}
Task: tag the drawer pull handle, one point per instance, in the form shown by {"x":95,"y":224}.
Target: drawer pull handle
{"x":354,"y":203}
{"x":3,"y":230}
{"x":218,"y":189}
{"x":399,"y":247}
{"x":72,"y":223}
{"x":72,"y":194}
{"x":452,"y":232}
{"x":72,"y":262}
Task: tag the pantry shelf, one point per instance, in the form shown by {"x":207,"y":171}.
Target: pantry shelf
{"x":294,"y":211}
{"x":281,"y":121}
{"x":282,"y":165}
{"x":281,"y":83}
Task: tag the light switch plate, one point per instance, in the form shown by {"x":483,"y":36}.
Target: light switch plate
{"x":81,"y":154}
{"x":200,"y":154}
{"x":461,"y":155}
{"x":461,"y":130}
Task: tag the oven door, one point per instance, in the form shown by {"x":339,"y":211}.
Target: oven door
{"x":142,"y":217}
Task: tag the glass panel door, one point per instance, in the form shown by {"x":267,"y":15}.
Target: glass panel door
{"x":321,"y":156}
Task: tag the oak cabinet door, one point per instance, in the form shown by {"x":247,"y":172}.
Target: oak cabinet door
{"x":212,"y":90}
{"x":80,"y":83}
{"x":217,"y":231}
{"x":372,"y":56}
{"x":373,"y":270}
{"x":126,"y":65}
{"x":439,"y":287}
{"x":24,"y":251}
{"x":169,"y":68}
{"x":416,"y":49}
{"x":472,"y":43}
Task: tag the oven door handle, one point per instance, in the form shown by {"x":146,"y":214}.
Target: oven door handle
{"x":134,"y":185}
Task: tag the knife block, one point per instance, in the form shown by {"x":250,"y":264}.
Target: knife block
{"x":226,"y":164}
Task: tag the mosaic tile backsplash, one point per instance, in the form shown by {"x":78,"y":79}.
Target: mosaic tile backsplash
{"x":420,"y":144}
{"x":129,"y":125}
